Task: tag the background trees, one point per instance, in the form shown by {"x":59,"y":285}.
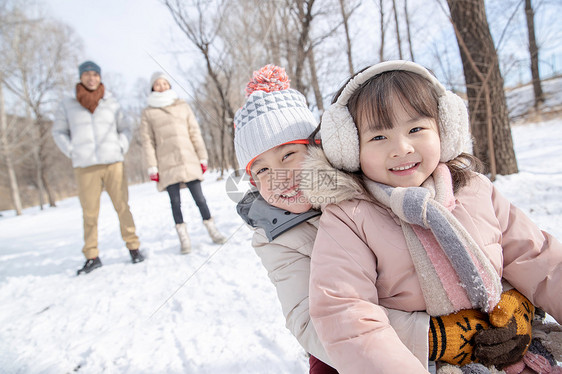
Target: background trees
{"x":484,"y":87}
{"x":38,"y":55}
{"x":473,"y":46}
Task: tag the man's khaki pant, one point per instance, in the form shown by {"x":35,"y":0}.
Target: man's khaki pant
{"x":91,"y":181}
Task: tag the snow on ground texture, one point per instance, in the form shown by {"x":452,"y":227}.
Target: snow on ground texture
{"x":212,"y":311}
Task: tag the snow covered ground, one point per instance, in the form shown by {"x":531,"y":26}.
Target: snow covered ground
{"x":212,"y":311}
{"x":520,"y":100}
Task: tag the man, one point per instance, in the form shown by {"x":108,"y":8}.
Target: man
{"x":89,"y":129}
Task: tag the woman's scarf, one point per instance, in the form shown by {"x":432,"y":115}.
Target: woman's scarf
{"x":162,"y":99}
{"x":453,"y":271}
{"x":89,"y":99}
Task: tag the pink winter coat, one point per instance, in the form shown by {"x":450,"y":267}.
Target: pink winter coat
{"x":361,"y":262}
{"x":287,"y":260}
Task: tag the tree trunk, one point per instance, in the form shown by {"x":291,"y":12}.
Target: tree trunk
{"x":382,"y":28}
{"x":398,"y":39}
{"x":43,"y":133}
{"x":534,"y":52}
{"x":484,"y":86}
{"x":50,"y":195}
{"x":345,"y":17}
{"x":223,"y":144}
{"x":232,"y":151}
{"x":14,"y":189}
{"x":38,"y":162}
{"x":314,"y":82}
{"x":305,"y":17}
{"x":409,"y":34}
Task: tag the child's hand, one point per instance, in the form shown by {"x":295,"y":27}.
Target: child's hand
{"x":508,"y":341}
{"x":451,"y":337}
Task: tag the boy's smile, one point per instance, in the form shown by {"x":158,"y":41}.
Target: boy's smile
{"x":277,"y":173}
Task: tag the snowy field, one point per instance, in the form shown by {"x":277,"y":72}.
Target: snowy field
{"x":212,"y":311}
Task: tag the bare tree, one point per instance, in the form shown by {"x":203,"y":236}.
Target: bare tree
{"x":397,"y":24}
{"x":302,"y":12}
{"x":314,"y":81}
{"x":135,"y":168}
{"x":484,"y":84}
{"x":39,"y":52}
{"x":6,"y":147}
{"x":201,"y":23}
{"x":7,"y":155}
{"x":345,"y":17}
{"x":382,"y":29}
{"x":534,"y":52}
{"x":408,"y":32}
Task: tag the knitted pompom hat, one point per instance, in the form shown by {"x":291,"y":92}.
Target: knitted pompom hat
{"x":273,"y":115}
{"x":157,"y":75}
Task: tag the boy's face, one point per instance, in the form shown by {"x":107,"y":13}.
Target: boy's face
{"x":278,"y":173}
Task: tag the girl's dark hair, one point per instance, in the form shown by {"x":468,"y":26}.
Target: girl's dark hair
{"x":463,"y":168}
{"x":312,"y":137}
{"x":371,"y":104}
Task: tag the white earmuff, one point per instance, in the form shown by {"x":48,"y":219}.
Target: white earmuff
{"x":453,"y":126}
{"x":342,"y":145}
{"x":340,"y":138}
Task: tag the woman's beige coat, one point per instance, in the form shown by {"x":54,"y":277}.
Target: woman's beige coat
{"x":172,"y":142}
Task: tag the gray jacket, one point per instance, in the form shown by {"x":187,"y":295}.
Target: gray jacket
{"x":256,"y":212}
{"x":88,"y":138}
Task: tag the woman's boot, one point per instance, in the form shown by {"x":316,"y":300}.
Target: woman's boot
{"x":181,"y":228}
{"x":215,"y":235}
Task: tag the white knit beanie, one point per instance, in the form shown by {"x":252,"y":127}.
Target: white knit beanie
{"x":157,"y":75}
{"x":269,"y":119}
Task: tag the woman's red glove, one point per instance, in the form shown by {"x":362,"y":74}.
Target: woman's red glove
{"x":203,"y":168}
{"x":154,"y":177}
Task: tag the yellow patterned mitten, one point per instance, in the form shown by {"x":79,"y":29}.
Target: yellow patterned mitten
{"x":509,"y":337}
{"x":451,"y":337}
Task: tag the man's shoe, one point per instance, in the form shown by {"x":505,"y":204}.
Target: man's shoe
{"x":90,"y":265}
{"x":136,"y":256}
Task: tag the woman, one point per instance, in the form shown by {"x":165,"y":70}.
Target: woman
{"x":175,"y":153}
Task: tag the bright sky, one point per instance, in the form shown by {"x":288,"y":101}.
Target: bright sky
{"x":131,"y":38}
{"x":120,"y":36}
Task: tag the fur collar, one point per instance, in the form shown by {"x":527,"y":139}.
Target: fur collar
{"x":325,"y":184}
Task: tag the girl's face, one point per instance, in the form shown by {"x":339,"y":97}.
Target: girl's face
{"x":278,"y":173}
{"x":404,"y":155}
{"x":161,"y":85}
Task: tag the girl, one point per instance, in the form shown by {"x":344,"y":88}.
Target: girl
{"x":423,"y":232}
{"x":175,"y":154}
{"x":271,"y":144}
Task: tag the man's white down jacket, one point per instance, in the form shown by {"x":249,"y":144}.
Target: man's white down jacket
{"x":88,"y":138}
